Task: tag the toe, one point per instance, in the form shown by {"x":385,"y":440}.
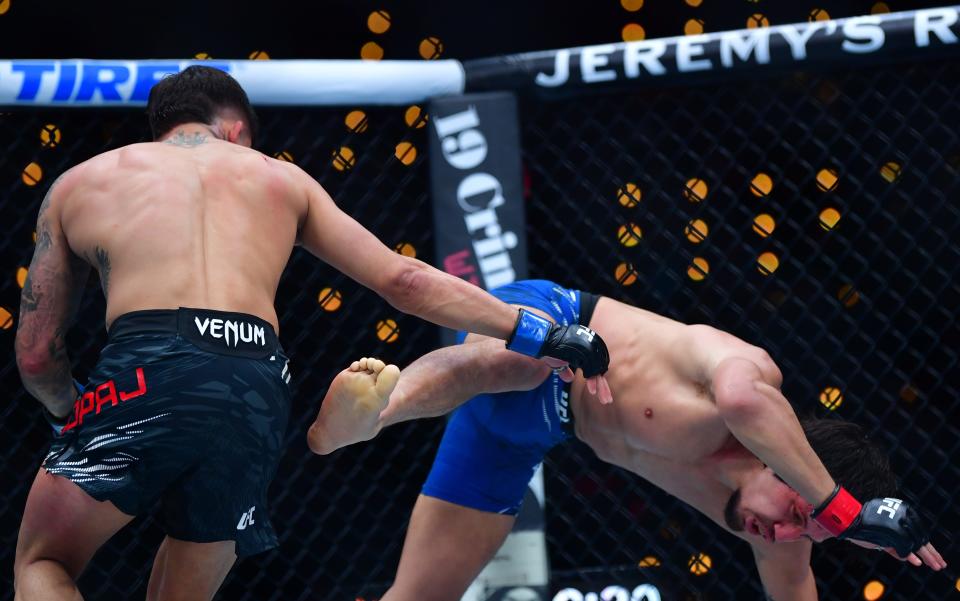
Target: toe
{"x":387,"y":380}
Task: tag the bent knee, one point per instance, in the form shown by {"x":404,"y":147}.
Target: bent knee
{"x":41,"y":578}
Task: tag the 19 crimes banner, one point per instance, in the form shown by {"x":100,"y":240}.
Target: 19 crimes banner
{"x":895,"y":36}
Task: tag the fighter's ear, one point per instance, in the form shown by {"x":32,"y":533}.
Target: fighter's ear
{"x":238,"y":133}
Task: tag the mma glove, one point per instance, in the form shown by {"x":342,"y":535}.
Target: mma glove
{"x":887,"y":522}
{"x":578,"y":345}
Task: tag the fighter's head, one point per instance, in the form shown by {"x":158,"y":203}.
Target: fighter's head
{"x":764,"y":506}
{"x":206,"y":95}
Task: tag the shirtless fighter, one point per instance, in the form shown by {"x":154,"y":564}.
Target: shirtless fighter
{"x":189,"y":405}
{"x":696,"y":412}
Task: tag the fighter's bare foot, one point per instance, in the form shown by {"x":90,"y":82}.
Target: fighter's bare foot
{"x":351,"y":409}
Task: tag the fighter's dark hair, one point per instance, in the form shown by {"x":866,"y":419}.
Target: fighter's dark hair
{"x":196,"y":94}
{"x":855,"y":462}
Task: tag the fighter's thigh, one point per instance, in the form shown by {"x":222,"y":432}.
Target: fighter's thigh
{"x":63,"y":523}
{"x":185,"y":571}
{"x":447,"y":545}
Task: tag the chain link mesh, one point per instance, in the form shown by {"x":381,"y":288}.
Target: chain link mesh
{"x":812,"y":215}
{"x":649,"y":197}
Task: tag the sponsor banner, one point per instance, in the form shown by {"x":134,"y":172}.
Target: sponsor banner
{"x":688,"y":59}
{"x":477,"y":189}
{"x":82,"y":83}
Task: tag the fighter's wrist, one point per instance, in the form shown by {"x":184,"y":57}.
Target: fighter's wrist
{"x":837,"y":512}
{"x":529,"y":333}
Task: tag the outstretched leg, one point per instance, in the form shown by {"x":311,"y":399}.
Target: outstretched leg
{"x":351,"y":409}
{"x":459,"y":538}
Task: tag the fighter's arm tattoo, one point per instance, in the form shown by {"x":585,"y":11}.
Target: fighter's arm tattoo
{"x":49,"y":301}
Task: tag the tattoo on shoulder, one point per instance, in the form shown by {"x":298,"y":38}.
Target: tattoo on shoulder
{"x":182,"y":139}
{"x":103,"y":266}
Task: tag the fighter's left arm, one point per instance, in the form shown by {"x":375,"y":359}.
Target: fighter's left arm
{"x":48,"y":304}
{"x":784,"y":570}
{"x":761,"y":418}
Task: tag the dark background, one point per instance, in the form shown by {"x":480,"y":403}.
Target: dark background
{"x":893,"y":353}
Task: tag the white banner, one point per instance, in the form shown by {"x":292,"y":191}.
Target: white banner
{"x":80,"y":82}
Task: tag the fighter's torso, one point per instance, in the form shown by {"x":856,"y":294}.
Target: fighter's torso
{"x":210,"y":225}
{"x":663,"y":423}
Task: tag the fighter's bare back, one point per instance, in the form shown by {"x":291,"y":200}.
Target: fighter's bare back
{"x":168,"y":223}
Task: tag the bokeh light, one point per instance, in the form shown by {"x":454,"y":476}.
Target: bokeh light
{"x":430,"y":48}
{"x":388,"y":330}
{"x":626,"y":274}
{"x":378,"y":21}
{"x":371,"y":51}
{"x":763,"y":225}
{"x":629,"y":234}
{"x":356,"y":121}
{"x":629,"y":195}
{"x":873,"y":590}
{"x":767,"y":263}
{"x":696,"y":231}
{"x":695,"y":190}
{"x":698,"y":269}
{"x":831,"y":397}
{"x":890,"y":171}
{"x":406,"y":153}
{"x":406,"y":249}
{"x":693,"y":27}
{"x":761,"y":185}
{"x":330,"y":299}
{"x":32,"y":174}
{"x":344,"y":159}
{"x":415,"y":116}
{"x":829,"y":218}
{"x":700,"y":564}
{"x":633,"y":32}
{"x":827,"y":179}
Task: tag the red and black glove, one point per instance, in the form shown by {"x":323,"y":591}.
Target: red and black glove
{"x":887,"y":522}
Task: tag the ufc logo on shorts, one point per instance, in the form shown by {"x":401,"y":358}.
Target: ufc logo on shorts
{"x":889,"y":505}
{"x":585,"y":333}
{"x":246,"y":519}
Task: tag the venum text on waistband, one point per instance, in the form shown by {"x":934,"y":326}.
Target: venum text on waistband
{"x":242,"y":331}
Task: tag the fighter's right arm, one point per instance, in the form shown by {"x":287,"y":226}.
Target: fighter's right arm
{"x":414,"y":287}
{"x":48,"y":304}
{"x":410,"y":285}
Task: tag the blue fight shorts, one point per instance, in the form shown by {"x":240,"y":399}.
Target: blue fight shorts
{"x":494,"y":443}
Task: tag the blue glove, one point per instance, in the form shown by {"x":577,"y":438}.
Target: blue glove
{"x":578,"y":345}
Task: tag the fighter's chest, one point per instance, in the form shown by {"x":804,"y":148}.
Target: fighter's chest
{"x":666,"y":417}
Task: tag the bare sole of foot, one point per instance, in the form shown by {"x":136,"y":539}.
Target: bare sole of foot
{"x":352,"y":407}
